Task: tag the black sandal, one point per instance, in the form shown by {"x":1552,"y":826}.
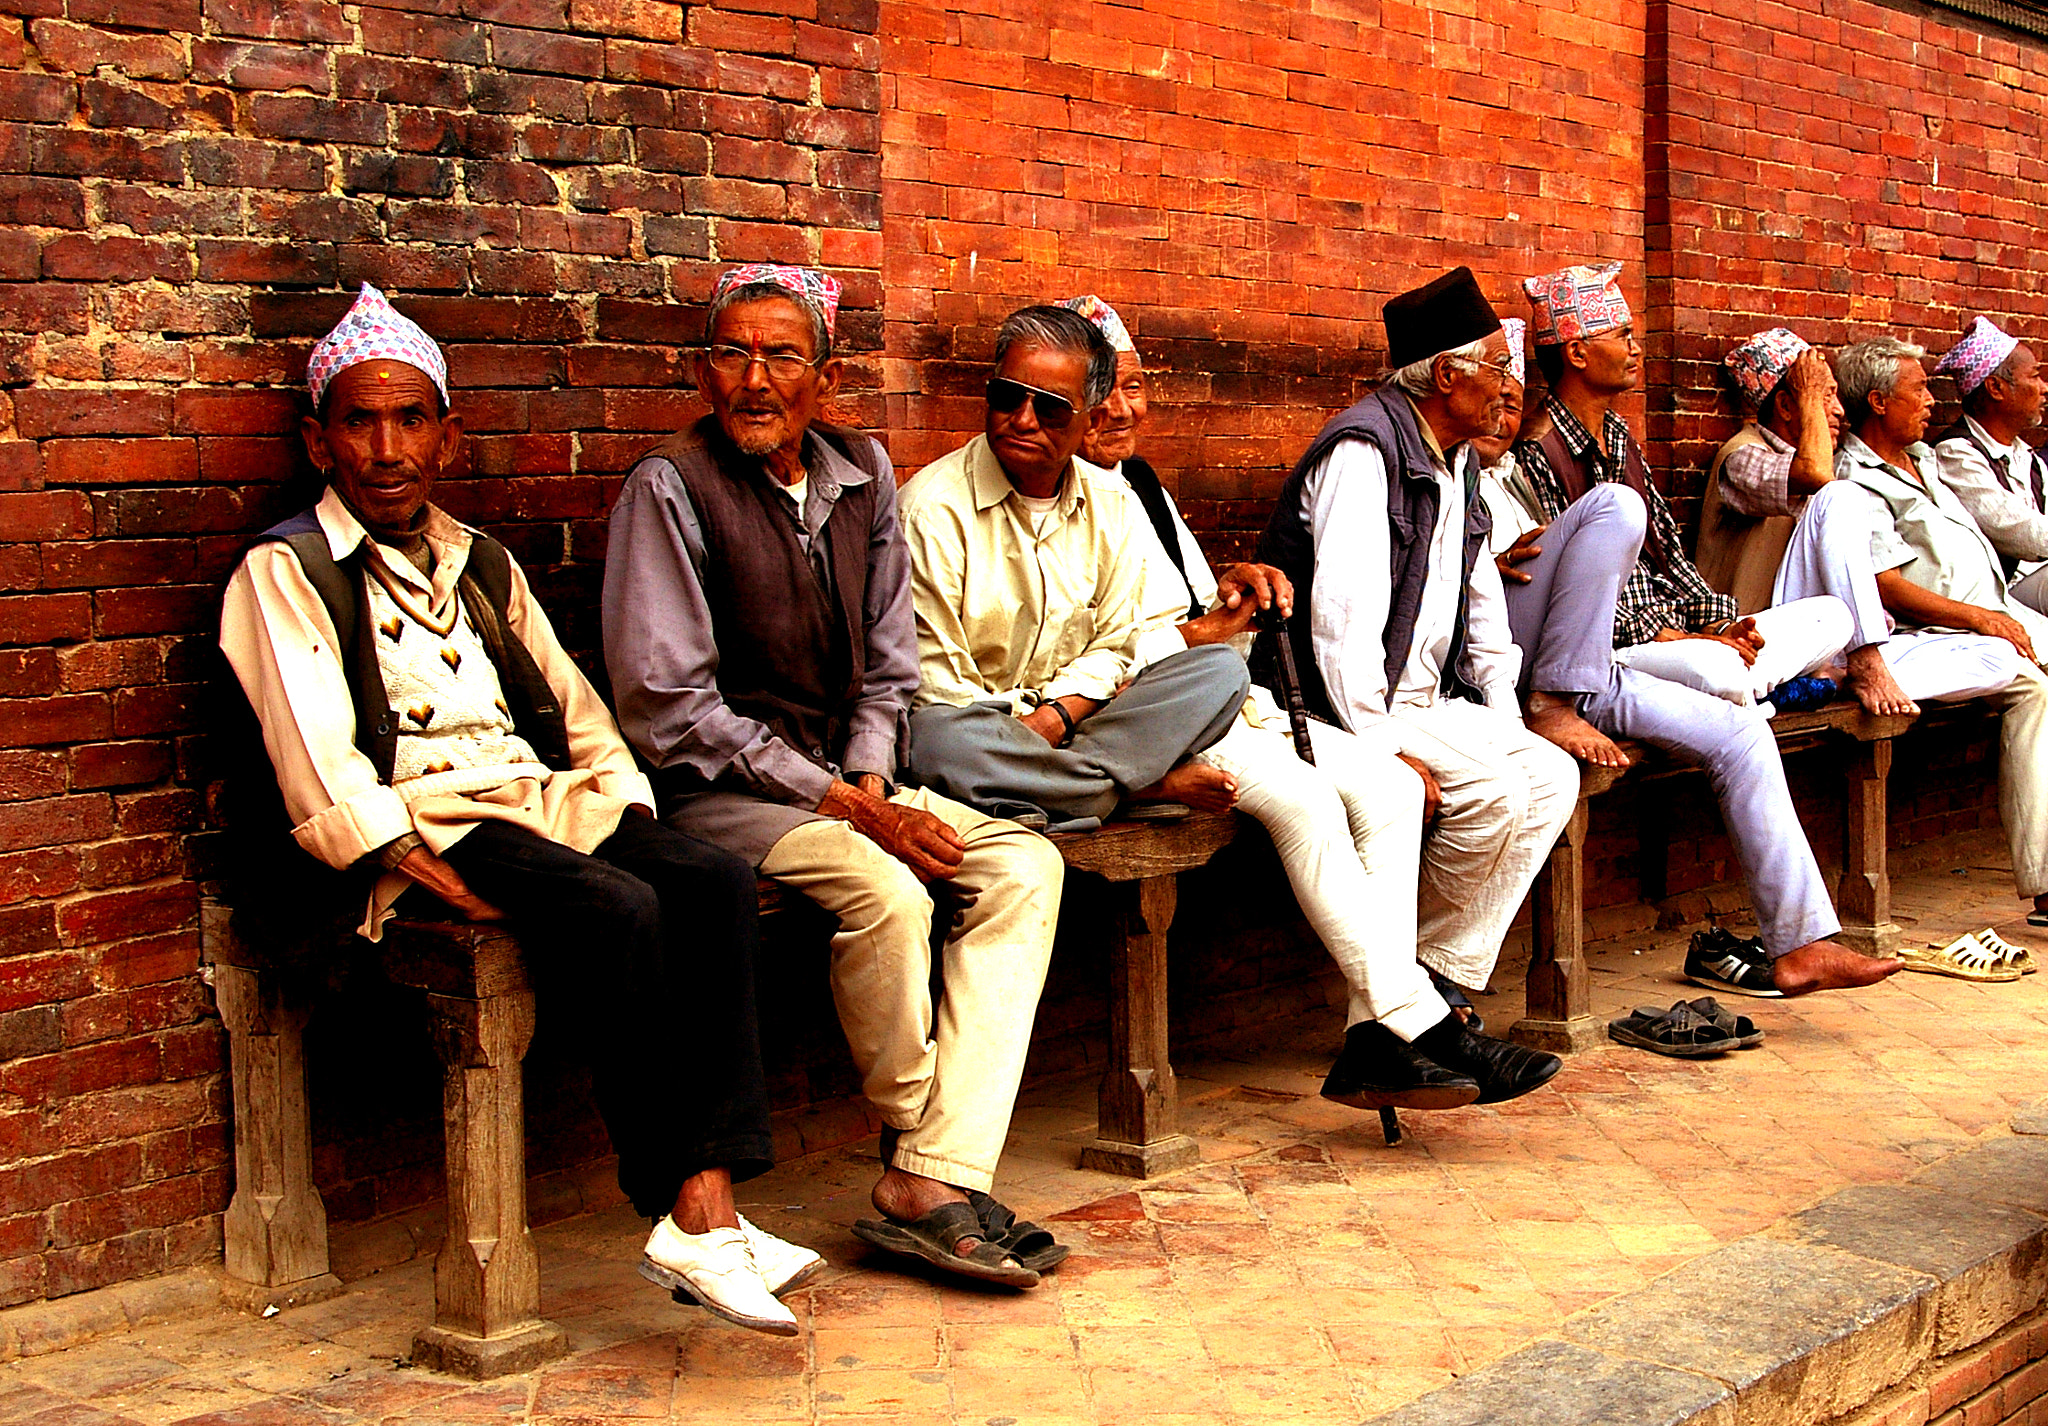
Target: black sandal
{"x":1741,"y":1027}
{"x":1032,"y":1246}
{"x":1681,"y":1032}
{"x":935,"y":1237}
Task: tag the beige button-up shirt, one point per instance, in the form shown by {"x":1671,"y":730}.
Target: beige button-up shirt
{"x":276,"y":634}
{"x":1010,"y":613}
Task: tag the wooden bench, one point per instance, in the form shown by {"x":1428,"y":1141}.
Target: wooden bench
{"x":487,"y":1318}
{"x":1559,"y":1013}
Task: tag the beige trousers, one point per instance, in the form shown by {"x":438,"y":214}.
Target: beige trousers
{"x":944,"y":1074}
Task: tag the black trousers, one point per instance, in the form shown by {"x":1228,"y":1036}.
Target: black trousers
{"x":646,"y":950}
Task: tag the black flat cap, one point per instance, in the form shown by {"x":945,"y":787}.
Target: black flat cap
{"x":1436,"y":317}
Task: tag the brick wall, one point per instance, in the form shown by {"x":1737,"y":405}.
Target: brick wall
{"x":1246,"y":183}
{"x":188,"y":188}
{"x":1849,"y":170}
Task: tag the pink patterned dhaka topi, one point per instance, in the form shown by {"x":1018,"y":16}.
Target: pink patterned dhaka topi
{"x":1105,"y":319}
{"x":1577,"y":302}
{"x":374,"y":330}
{"x":1760,"y":363}
{"x":820,"y":288}
{"x":1982,"y":351}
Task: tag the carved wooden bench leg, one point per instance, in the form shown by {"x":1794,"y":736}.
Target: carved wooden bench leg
{"x":1865,"y":897}
{"x":1138,"y":1119}
{"x":487,"y":1318}
{"x":1559,"y":994}
{"x":275,"y":1229}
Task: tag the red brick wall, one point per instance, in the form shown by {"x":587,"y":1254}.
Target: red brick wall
{"x":1246,"y":183}
{"x":1848,"y":170}
{"x":188,"y":188}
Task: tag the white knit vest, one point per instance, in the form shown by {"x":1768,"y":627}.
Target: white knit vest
{"x":452,"y":717}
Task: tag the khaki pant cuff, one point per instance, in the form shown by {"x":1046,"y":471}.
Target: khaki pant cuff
{"x":959,"y":1175}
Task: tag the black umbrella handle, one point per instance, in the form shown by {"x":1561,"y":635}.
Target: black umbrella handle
{"x":1271,"y":621}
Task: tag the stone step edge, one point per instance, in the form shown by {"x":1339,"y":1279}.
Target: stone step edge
{"x":1849,"y":1311}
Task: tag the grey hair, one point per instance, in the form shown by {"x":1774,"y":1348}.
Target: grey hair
{"x":1062,"y":330}
{"x":1418,"y":378}
{"x":1870,"y":368}
{"x":1975,"y":397}
{"x":821,"y":332}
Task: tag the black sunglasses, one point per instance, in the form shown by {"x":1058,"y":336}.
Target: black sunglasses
{"x":1053,"y":410}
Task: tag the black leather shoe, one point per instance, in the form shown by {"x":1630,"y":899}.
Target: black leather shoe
{"x":1504,"y":1071}
{"x":1380,"y":1070}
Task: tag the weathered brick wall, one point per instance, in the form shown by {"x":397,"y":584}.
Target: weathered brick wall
{"x":1848,"y":170}
{"x":188,"y":188}
{"x":1246,"y":183}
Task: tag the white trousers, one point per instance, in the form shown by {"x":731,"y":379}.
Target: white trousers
{"x":1936,"y":668}
{"x":1349,"y":831}
{"x":1798,"y":638}
{"x":1506,"y":795}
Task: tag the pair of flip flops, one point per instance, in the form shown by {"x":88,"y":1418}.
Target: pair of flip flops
{"x":1689,"y":1030}
{"x":1981,"y":956}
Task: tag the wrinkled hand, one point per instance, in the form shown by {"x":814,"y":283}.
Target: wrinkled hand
{"x":1521,"y":551}
{"x":1245,"y":589}
{"x":1809,"y":375}
{"x":1745,"y":642}
{"x":2004,"y":626}
{"x":423,"y":868}
{"x":932,"y":850}
{"x":1432,"y":791}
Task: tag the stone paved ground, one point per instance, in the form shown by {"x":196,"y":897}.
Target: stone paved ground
{"x":1305,"y":1273}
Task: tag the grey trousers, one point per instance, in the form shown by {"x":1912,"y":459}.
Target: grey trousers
{"x":1563,"y":621}
{"x":982,"y":755}
{"x":1736,"y":748}
{"x":1563,"y":618}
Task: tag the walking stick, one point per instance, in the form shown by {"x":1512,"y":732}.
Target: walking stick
{"x":1271,"y":621}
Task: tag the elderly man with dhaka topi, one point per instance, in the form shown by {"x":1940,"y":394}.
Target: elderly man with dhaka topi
{"x":2000,"y":479}
{"x":428,"y":731}
{"x":758,"y":634}
{"x":1652,"y":686}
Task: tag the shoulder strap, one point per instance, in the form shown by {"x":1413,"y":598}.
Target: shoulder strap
{"x":1144,"y":483}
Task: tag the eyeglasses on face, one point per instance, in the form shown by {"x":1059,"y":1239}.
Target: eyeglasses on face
{"x":1053,"y":410}
{"x":734,"y":361}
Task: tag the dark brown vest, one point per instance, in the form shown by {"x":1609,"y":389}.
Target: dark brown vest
{"x":792,"y":650}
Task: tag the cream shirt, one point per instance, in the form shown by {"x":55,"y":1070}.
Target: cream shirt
{"x":1010,"y":613}
{"x":276,"y":635}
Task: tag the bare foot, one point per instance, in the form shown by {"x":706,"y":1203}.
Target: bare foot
{"x":1870,"y":679}
{"x":1823,"y":965}
{"x":905,"y":1196}
{"x":1204,"y":788}
{"x":1555,"y":719}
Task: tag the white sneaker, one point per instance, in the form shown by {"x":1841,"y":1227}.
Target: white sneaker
{"x":783,"y":1265}
{"x":718,"y":1269}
